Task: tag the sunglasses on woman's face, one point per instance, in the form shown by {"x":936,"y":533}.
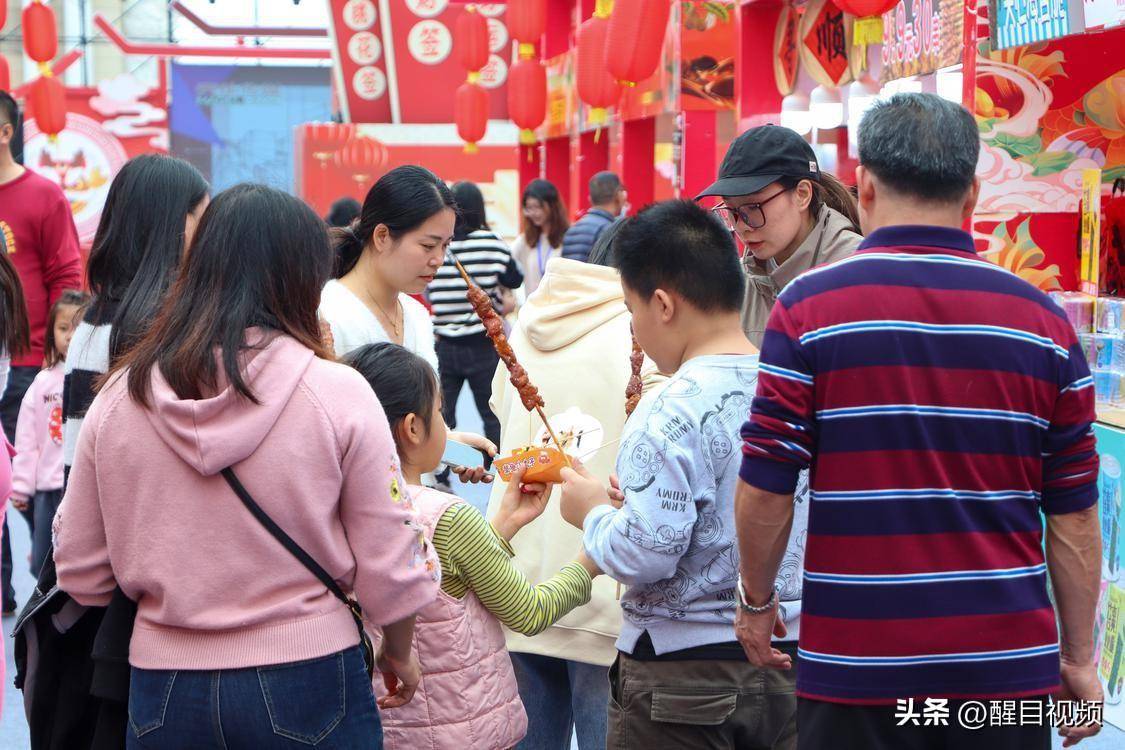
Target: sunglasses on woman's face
{"x":750,"y":214}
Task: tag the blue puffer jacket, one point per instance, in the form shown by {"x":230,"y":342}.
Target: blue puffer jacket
{"x":580,"y":238}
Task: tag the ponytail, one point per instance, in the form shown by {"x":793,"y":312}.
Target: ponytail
{"x":401,"y":200}
{"x":830,"y":192}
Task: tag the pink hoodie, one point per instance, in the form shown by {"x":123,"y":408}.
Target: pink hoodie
{"x":146,"y":509}
{"x":38,"y":465}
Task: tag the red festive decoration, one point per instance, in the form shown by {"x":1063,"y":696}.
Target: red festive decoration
{"x":5,"y":75}
{"x":326,"y":138}
{"x":527,"y":20}
{"x":868,"y":27}
{"x":40,"y":35}
{"x":47,"y":103}
{"x":527,"y":97}
{"x":635,"y":41}
{"x":362,"y":158}
{"x":471,"y":41}
{"x":470,"y":112}
{"x":596,"y":87}
{"x":3,"y":17}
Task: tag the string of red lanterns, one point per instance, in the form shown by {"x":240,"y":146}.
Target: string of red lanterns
{"x":596,"y":87}
{"x":47,"y":97}
{"x":635,"y":39}
{"x":471,"y":104}
{"x":527,"y":80}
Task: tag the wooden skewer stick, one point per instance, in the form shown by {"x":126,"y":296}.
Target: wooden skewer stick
{"x":539,"y":409}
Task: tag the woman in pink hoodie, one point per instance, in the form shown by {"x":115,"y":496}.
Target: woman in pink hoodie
{"x":37,"y":469}
{"x":236,"y":643}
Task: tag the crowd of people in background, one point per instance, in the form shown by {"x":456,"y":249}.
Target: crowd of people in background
{"x":231,"y":456}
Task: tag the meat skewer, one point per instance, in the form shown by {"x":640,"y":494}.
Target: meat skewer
{"x":494,"y":329}
{"x":636,"y":385}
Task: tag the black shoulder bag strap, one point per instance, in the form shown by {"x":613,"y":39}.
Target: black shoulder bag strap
{"x":313,"y":566}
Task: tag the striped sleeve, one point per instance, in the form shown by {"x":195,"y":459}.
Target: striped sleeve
{"x":779,"y":436}
{"x":473,"y":557}
{"x":1070,"y":457}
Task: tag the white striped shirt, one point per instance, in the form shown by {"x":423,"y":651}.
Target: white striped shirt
{"x":490,"y":264}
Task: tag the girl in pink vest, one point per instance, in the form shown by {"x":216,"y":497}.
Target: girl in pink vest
{"x":467,"y":696}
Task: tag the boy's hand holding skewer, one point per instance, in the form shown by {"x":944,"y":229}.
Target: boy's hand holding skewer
{"x":582,"y":492}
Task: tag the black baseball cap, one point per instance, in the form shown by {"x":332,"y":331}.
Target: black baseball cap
{"x":761,"y":156}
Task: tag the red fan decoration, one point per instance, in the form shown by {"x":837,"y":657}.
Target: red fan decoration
{"x":636,"y":38}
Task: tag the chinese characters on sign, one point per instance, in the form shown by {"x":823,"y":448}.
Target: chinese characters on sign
{"x":785,"y":52}
{"x":359,"y":14}
{"x":369,"y":83}
{"x":826,"y":44}
{"x":427,"y":8}
{"x":495,"y":73}
{"x":973,"y":714}
{"x":430,"y":42}
{"x":364,"y":48}
{"x":1016,"y":22}
{"x":921,"y":36}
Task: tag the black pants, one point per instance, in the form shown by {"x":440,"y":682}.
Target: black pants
{"x":19,"y":380}
{"x":837,"y":726}
{"x":472,"y":359}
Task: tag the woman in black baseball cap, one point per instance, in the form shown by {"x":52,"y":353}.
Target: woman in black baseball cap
{"x":788,"y":214}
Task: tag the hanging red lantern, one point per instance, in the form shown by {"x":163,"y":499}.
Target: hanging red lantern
{"x":362,"y":158}
{"x":596,"y":87}
{"x":5,"y":74}
{"x":47,"y":103}
{"x":635,"y":41}
{"x":527,"y":21}
{"x":40,"y":35}
{"x":868,"y":28}
{"x":326,"y":138}
{"x":527,"y":97}
{"x":471,"y":41}
{"x":470,"y":112}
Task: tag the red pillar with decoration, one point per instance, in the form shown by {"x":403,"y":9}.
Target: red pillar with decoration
{"x":530,"y":164}
{"x":556,"y":164}
{"x":638,"y":145}
{"x":699,"y":156}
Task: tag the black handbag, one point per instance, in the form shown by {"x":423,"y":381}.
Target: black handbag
{"x":306,"y":560}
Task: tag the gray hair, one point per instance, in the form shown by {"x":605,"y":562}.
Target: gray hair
{"x":920,"y":145}
{"x":603,"y":188}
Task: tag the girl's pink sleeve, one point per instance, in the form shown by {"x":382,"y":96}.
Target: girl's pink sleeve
{"x":25,"y":465}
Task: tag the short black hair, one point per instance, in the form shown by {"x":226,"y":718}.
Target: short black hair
{"x":343,"y":212}
{"x":678,"y":246}
{"x":921,"y":145}
{"x":403,"y":382}
{"x":9,"y":110}
{"x":603,"y":188}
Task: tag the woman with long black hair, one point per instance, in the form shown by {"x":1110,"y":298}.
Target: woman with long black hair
{"x":236,"y":643}
{"x":150,"y":215}
{"x":544,"y":224}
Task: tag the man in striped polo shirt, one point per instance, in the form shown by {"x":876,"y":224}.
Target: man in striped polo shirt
{"x":943,"y":405}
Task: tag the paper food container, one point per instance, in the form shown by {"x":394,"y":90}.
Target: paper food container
{"x":543,"y":464}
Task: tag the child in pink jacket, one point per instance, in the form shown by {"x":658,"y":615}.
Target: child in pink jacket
{"x":37,"y":470}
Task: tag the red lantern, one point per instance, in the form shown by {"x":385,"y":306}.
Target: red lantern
{"x":527,"y":97}
{"x":5,"y":75}
{"x":527,"y":20}
{"x":40,"y":38}
{"x":326,"y":138}
{"x":47,"y":102}
{"x":3,"y":16}
{"x":868,"y":28}
{"x":471,"y":42}
{"x":470,"y":112}
{"x":362,"y":158}
{"x":635,"y":41}
{"x":596,"y":87}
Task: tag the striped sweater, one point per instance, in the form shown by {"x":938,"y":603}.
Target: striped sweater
{"x":490,"y":264}
{"x":87,"y":360}
{"x":942,"y":403}
{"x":475,"y":558}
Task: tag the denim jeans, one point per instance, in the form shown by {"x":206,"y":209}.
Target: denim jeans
{"x":323,"y":703}
{"x":562,"y":697}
